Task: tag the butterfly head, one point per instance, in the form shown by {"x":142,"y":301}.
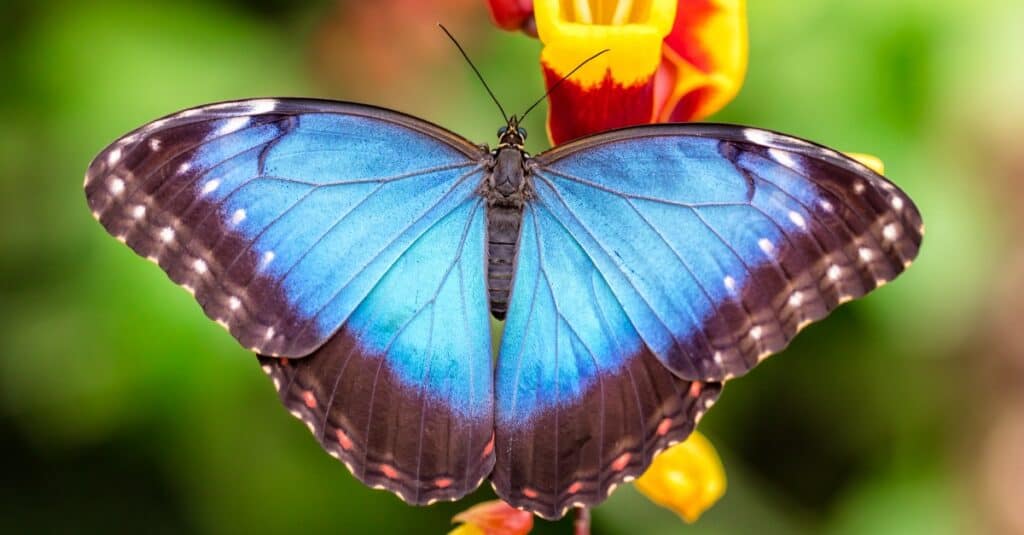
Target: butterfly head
{"x":512,"y":134}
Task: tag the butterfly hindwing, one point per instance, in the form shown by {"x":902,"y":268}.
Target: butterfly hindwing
{"x":581,"y":404}
{"x":347,"y":233}
{"x":403,"y":393}
{"x":659,"y":255}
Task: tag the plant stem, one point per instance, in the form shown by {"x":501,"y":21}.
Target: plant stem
{"x":581,"y":526}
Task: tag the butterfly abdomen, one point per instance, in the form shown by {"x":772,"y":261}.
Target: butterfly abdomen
{"x":502,"y":242}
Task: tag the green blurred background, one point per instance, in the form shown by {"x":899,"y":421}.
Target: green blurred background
{"x":122,"y":408}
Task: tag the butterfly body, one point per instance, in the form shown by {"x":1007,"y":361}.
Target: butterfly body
{"x":506,"y":189}
{"x":361,"y":251}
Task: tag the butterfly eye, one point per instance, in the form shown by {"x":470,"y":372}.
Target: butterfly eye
{"x":502,"y":130}
{"x":522,"y":133}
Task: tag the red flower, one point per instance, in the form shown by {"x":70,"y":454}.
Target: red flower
{"x":669,"y":60}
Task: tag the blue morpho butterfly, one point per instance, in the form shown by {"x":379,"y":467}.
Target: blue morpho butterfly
{"x":359,"y":250}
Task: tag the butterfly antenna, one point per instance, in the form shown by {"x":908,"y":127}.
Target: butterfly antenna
{"x":558,"y":83}
{"x":478,"y":75}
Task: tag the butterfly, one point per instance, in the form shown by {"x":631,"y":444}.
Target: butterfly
{"x":360,"y":252}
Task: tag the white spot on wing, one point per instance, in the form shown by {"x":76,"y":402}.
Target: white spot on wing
{"x":891,"y":231}
{"x":238,"y":216}
{"x":268,"y":257}
{"x":897,"y":203}
{"x":184,"y":167}
{"x":756,"y":332}
{"x":827,"y":206}
{"x":834,"y":272}
{"x":139,"y":211}
{"x":269,"y":334}
{"x":796,"y":299}
{"x":858,"y":187}
{"x":263,"y":105}
{"x":154,"y":144}
{"x":717,"y":357}
{"x":199,"y":265}
{"x":116,"y":185}
{"x":210,"y":186}
{"x":729,"y":282}
{"x":232,"y":125}
{"x":758,"y":136}
{"x":866,"y":254}
{"x":114,"y":156}
{"x":234,"y":303}
{"x":797,"y":219}
{"x":166,"y":234}
{"x":782,"y":157}
{"x":766,"y":245}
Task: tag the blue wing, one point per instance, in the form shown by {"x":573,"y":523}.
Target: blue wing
{"x":655,"y":256}
{"x":338,"y":231}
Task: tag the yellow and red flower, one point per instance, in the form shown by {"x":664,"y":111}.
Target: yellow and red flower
{"x":669,"y":60}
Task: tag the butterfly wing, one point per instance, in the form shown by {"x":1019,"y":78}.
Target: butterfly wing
{"x":342,"y":232}
{"x":413,"y":415}
{"x":658,"y":255}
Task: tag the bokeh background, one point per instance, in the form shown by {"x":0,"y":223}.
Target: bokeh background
{"x":122,"y":408}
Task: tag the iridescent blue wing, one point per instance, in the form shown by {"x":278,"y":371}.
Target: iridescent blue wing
{"x":658,"y":255}
{"x":343,"y":232}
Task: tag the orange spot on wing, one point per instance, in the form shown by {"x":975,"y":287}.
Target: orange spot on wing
{"x":529,"y":493}
{"x":664,"y":426}
{"x":343,"y":440}
{"x":695,"y":388}
{"x":443,"y":482}
{"x":283,"y":361}
{"x":489,"y":447}
{"x":575,"y":487}
{"x":389,"y":471}
{"x":309,"y":399}
{"x":619,"y":463}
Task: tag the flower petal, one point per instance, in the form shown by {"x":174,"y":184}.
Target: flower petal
{"x":617,"y":88}
{"x":493,"y":518}
{"x":510,"y":14}
{"x":871,"y":162}
{"x":705,"y":59}
{"x":687,"y":478}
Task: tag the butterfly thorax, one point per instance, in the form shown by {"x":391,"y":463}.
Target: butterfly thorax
{"x":506,"y":189}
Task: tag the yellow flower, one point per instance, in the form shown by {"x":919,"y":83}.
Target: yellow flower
{"x":687,"y":478}
{"x":869,"y":161}
{"x":668,"y":60}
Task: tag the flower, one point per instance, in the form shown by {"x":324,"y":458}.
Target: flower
{"x":493,"y":518}
{"x":871,"y":162}
{"x":513,"y":15}
{"x":687,"y":478}
{"x":668,"y":60}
